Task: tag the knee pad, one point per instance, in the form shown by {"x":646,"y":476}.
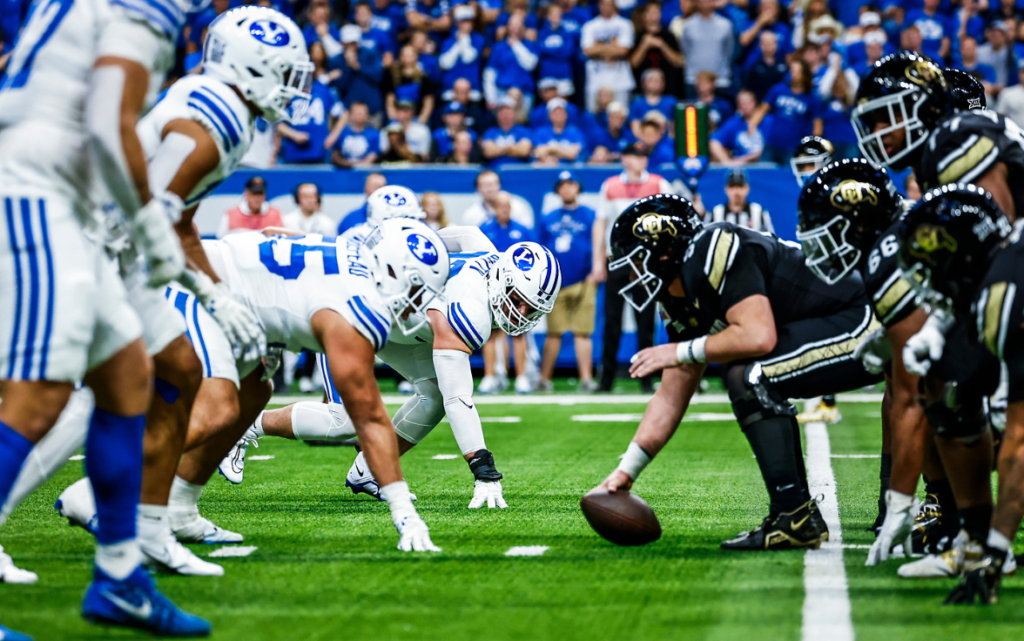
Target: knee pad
{"x":956,"y":414}
{"x":421,"y":413}
{"x":752,"y":396}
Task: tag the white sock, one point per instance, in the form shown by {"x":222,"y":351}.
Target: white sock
{"x":257,"y":426}
{"x":998,"y":541}
{"x":151,"y":522}
{"x":118,"y":560}
{"x":184,"y":494}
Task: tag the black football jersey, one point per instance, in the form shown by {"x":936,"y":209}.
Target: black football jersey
{"x":891,"y":295}
{"x":999,"y":314}
{"x":726,"y":263}
{"x":967,"y":145}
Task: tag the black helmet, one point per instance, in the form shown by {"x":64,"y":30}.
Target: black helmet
{"x":814,"y":151}
{"x":907,"y":88}
{"x":947,"y":242}
{"x":651,"y":237}
{"x":968,"y":92}
{"x":842,"y":211}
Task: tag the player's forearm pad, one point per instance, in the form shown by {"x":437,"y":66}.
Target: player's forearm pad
{"x":455,"y":380}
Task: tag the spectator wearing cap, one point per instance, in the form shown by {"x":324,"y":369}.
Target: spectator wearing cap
{"x":407,"y":80}
{"x":737,"y":209}
{"x":488,"y":186}
{"x":557,"y":49}
{"x":969,"y":63}
{"x":652,"y":98}
{"x":416,"y":134}
{"x":660,"y":148}
{"x":359,"y":143}
{"x":566,"y":231}
{"x":767,"y":69}
{"x":361,"y":71}
{"x":253,"y":212}
{"x":656,"y":48}
{"x":608,"y":142}
{"x":307,"y":216}
{"x":998,"y":54}
{"x":373,"y":38}
{"x":462,"y":53}
{"x":606,"y":41}
{"x":936,"y":29}
{"x":738,"y":141}
{"x":507,"y":143}
{"x":796,"y":110}
{"x":708,"y":44}
{"x":454,"y":122}
{"x":308,"y":138}
{"x":617,"y":194}
{"x":558,"y":142}
{"x":511,"y":65}
{"x":1011,"y":99}
{"x":869,"y":26}
{"x":372,"y":183}
{"x":550,"y":90}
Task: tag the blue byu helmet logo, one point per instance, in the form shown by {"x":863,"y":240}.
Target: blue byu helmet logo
{"x":395,"y":200}
{"x":270,"y":33}
{"x":422,"y":249}
{"x":524,"y":259}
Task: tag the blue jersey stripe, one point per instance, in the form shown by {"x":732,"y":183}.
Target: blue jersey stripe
{"x":213,"y":122}
{"x":465,"y":317}
{"x":33,"y":304}
{"x":19,"y":292}
{"x":199,"y":332}
{"x":155,"y":15}
{"x":547,"y":275}
{"x":376,"y":340}
{"x":50,"y":287}
{"x":461,"y":328}
{"x":212,"y":94}
{"x":325,"y":373}
{"x":217,"y":111}
{"x":382,"y":326}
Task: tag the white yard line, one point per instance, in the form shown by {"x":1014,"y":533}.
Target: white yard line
{"x":578,"y":399}
{"x":632,"y":418}
{"x":444,"y":457}
{"x":527,"y":550}
{"x":260,"y":457}
{"x":234,"y":550}
{"x":856,"y":456}
{"x":827,"y":599}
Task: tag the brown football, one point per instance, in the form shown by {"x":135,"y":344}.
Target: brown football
{"x":622,"y":518}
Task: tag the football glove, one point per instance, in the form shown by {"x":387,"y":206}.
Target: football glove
{"x":240,"y":325}
{"x":900,"y":510}
{"x":153,"y":232}
{"x":488,"y":492}
{"x":980,"y":581}
{"x":414,"y":535}
{"x":874,"y":351}
{"x":926,"y":346}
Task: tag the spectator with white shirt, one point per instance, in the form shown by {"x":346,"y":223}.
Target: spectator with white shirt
{"x":462,"y":53}
{"x":708,"y":44}
{"x":606,"y":41}
{"x":1011,"y":99}
{"x":307,"y":216}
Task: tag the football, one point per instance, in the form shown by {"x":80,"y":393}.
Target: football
{"x":622,"y":518}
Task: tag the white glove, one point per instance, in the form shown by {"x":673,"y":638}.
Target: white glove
{"x":153,"y":232}
{"x":414,"y":535}
{"x":874,"y":351}
{"x":488,"y":492}
{"x":240,"y":325}
{"x":900,"y":510}
{"x":925,"y":347}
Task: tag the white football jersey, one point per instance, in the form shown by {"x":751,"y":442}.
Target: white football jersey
{"x":218,"y":109}
{"x":286,"y":280}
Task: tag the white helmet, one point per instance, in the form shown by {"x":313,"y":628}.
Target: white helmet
{"x":410,"y":264}
{"x":392,"y":201}
{"x":262,"y":53}
{"x":525,"y":273}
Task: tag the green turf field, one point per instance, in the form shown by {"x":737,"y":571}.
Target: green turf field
{"x":326,"y":565}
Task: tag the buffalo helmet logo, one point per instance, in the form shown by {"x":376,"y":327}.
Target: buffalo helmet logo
{"x":270,"y":33}
{"x":422,"y":249}
{"x":928,"y":239}
{"x":850,"y":193}
{"x":653,"y":226}
{"x":524,"y":259}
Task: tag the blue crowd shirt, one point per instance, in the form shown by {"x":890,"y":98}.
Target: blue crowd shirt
{"x":505,"y":237}
{"x":567,"y":233}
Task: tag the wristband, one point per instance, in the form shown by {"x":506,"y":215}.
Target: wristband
{"x":634,"y":461}
{"x":691,"y":351}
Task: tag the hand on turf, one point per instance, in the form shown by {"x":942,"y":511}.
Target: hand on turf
{"x":488,"y":492}
{"x":153,"y":232}
{"x":900,"y":510}
{"x":653,"y":359}
{"x":980,"y":582}
{"x":414,"y":535}
{"x":617,"y":480}
{"x":874,"y":351}
{"x":243,"y":330}
{"x":924,"y":348}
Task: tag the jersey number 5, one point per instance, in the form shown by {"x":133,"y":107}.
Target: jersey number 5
{"x":297,"y":254}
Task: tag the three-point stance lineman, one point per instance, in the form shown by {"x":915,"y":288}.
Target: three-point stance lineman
{"x":735,"y":296}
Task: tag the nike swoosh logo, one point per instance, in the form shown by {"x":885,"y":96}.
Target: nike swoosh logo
{"x":798,"y":524}
{"x":473,"y":461}
{"x":783,"y":488}
{"x":359,"y":471}
{"x":469,"y":405}
{"x":141,"y":611}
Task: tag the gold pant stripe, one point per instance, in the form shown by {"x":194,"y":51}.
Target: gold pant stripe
{"x":842,"y":347}
{"x":892,"y":297}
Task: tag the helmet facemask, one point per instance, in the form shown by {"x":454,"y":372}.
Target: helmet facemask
{"x":827,"y":251}
{"x":816,"y":162}
{"x":289,"y":100}
{"x":927,"y":296}
{"x":408,"y":305}
{"x":900,"y":111}
{"x":644,"y":285}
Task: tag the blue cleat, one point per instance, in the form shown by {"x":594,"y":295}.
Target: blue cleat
{"x":6,"y":634}
{"x":135,"y":603}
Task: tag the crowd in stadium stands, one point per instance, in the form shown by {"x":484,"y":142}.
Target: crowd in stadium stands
{"x":556,"y":82}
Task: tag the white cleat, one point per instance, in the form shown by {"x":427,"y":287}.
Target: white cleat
{"x":10,"y":573}
{"x":189,"y":527}
{"x":523,"y":385}
{"x":78,"y":506}
{"x":233,"y":466}
{"x":361,"y":480}
{"x":169,"y":556}
{"x":950,"y":564}
{"x":492,"y":385}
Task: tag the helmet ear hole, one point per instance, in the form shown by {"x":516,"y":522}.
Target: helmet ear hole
{"x":255,"y":73}
{"x":391,"y":272}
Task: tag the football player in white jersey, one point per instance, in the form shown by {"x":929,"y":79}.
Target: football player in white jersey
{"x":486,"y":290}
{"x":77,"y":67}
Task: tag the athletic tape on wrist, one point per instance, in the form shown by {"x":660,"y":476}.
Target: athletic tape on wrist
{"x":691,"y":351}
{"x":634,"y":461}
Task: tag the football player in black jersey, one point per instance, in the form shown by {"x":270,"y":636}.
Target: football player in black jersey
{"x":745,"y":299}
{"x":960,"y":244}
{"x":968,"y":92}
{"x":848,"y":217}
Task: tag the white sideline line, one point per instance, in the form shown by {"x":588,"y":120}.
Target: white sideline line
{"x":577,"y":399}
{"x":444,"y":457}
{"x":234,"y":550}
{"x":77,"y":457}
{"x":527,"y":550}
{"x":260,"y":457}
{"x":495,"y":419}
{"x":827,"y":600}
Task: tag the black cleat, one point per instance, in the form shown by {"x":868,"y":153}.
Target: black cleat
{"x":804,"y":527}
{"x":933,"y":534}
{"x":980,"y":581}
